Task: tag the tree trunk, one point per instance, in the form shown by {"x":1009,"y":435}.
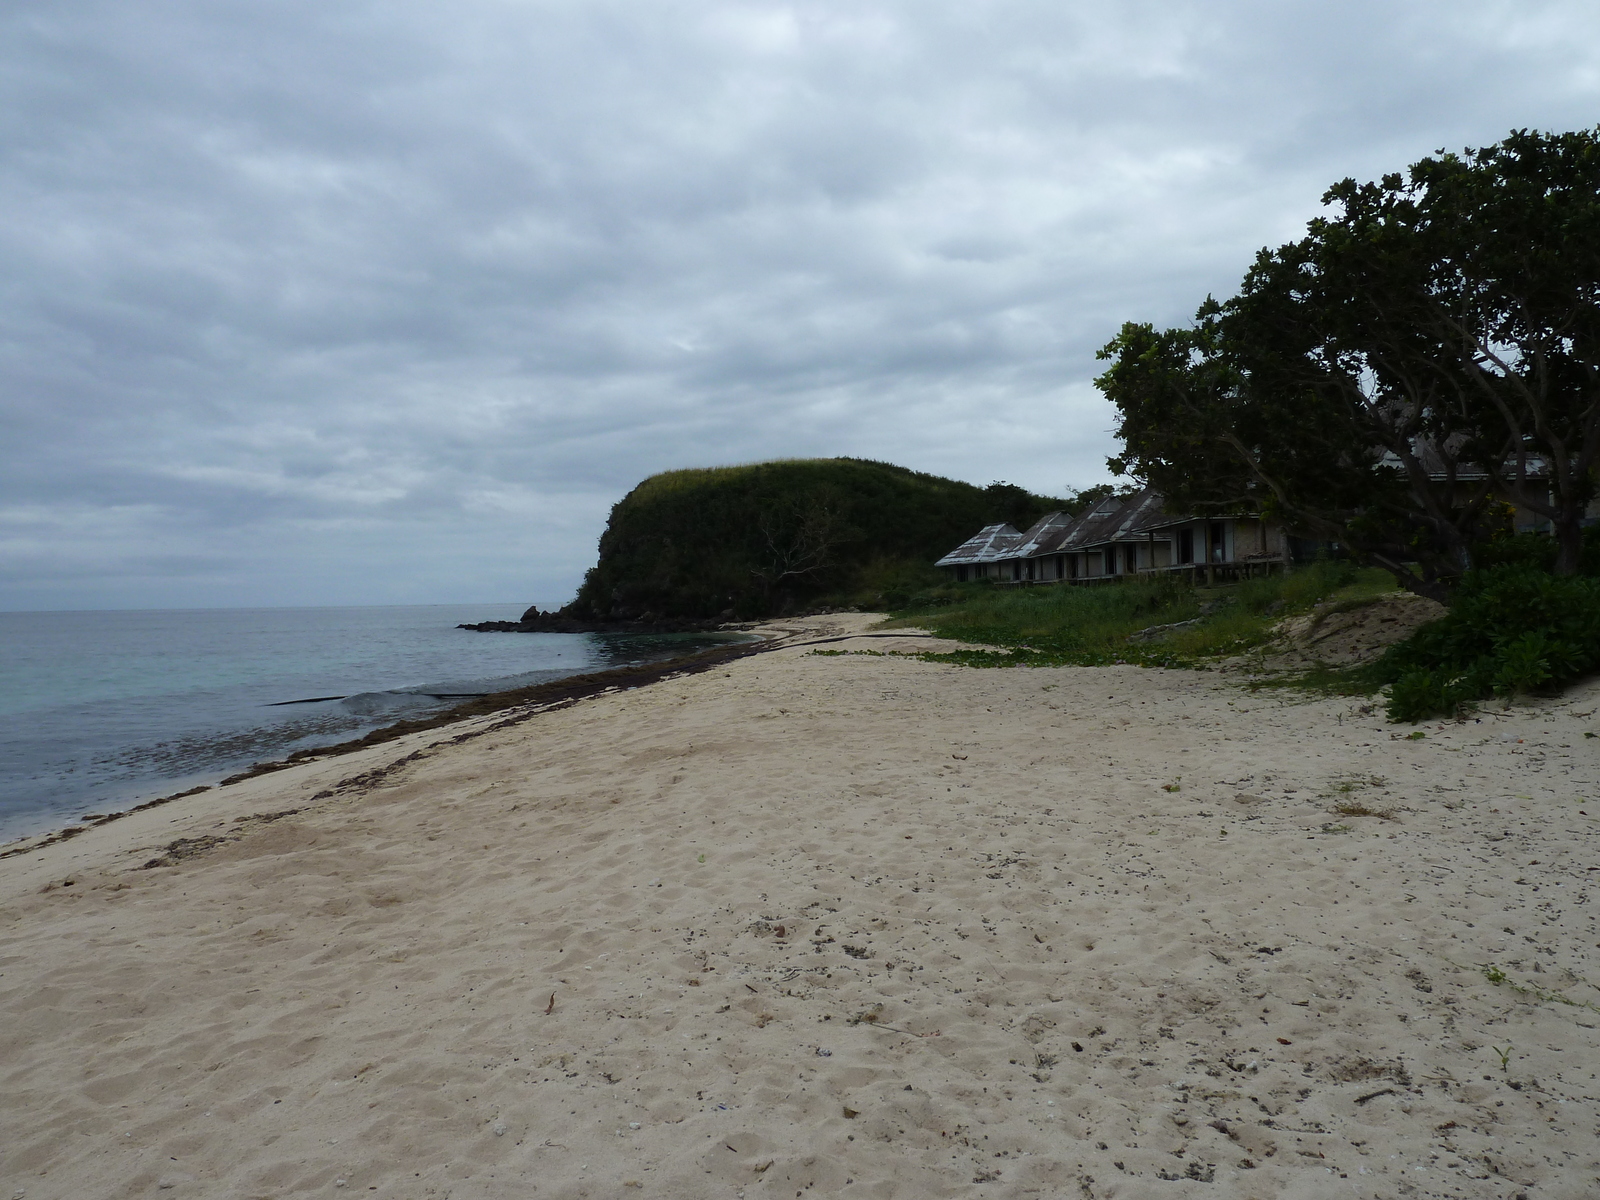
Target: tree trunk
{"x":1430,"y":589}
{"x":1568,"y":530}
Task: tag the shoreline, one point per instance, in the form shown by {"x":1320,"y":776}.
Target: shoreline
{"x":537,"y":698}
{"x":583,"y":684}
{"x":862,"y":923}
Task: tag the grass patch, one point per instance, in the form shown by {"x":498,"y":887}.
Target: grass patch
{"x":1090,"y":626}
{"x":1353,"y":782}
{"x":1499,"y":978}
{"x":1354,"y":808}
{"x":1323,"y":680}
{"x":1512,"y":629}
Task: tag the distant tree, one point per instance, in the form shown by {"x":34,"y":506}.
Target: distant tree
{"x":799,"y":537}
{"x":1017,"y":506}
{"x":1214,"y":434}
{"x":1427,"y":353}
{"x":1081,"y":500}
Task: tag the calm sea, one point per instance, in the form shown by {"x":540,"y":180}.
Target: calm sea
{"x":102,"y":709}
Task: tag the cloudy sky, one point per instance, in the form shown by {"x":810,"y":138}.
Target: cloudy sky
{"x":331,"y":302}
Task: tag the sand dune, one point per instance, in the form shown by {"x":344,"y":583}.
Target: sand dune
{"x":846,"y":925}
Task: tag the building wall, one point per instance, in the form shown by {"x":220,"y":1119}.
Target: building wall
{"x":1227,"y":540}
{"x":1254,"y":538}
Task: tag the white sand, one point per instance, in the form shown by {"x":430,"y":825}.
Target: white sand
{"x":1083,"y":985}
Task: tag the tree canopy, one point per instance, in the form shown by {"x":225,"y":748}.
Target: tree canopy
{"x":1428,"y":354}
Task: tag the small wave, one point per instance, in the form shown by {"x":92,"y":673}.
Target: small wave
{"x":367,"y":704}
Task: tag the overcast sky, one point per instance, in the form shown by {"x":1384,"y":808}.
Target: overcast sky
{"x":319,"y":302}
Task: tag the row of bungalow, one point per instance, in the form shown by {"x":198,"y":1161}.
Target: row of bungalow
{"x":1122,"y":536}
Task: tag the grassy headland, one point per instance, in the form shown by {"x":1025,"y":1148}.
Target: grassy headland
{"x":772,"y":538}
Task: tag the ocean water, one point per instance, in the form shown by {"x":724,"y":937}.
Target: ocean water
{"x":99,"y":710}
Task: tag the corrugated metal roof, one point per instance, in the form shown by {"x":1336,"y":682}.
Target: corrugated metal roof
{"x":1100,"y":524}
{"x":1143,"y":512}
{"x":1046,"y":535}
{"x":990,"y":544}
{"x":1113,"y":519}
{"x":1153,"y":517}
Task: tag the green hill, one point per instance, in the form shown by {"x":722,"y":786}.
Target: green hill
{"x":776,"y":537}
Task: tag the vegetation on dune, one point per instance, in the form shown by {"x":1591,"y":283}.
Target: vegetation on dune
{"x":1063,"y":625}
{"x":1514,"y":628}
{"x":769,"y":538}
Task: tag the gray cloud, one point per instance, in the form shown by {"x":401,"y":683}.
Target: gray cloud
{"x":316,"y":303}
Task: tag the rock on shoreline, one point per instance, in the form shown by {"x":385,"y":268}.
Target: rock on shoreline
{"x":534,"y":621}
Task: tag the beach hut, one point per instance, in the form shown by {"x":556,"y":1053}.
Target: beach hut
{"x":1122,"y":536}
{"x":981,"y":555}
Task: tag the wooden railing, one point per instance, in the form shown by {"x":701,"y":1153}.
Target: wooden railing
{"x":1211,"y":573}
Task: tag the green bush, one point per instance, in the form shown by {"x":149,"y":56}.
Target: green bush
{"x":1536,"y":550}
{"x":1512,"y":628}
{"x":886,"y":584}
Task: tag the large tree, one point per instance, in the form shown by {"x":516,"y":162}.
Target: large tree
{"x":1427,"y":354}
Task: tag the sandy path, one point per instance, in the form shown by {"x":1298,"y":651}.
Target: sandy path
{"x":1010,"y":962}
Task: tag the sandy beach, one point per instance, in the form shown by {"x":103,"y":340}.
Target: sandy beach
{"x":835,"y":924}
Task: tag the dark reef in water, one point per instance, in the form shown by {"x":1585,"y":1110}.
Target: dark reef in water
{"x":534,"y":621}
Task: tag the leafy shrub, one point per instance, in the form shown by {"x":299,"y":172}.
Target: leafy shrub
{"x":1536,"y":550}
{"x":1512,"y":628}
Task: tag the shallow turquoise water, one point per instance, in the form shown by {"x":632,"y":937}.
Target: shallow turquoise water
{"x":102,"y":709}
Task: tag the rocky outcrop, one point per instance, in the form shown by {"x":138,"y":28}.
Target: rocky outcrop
{"x":534,"y":621}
